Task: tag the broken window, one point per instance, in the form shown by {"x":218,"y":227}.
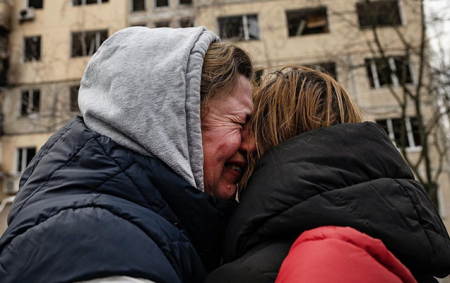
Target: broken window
{"x":395,"y":71}
{"x":138,"y":5}
{"x":32,"y":48}
{"x":243,"y":27}
{"x":86,"y":43}
{"x":403,"y":133}
{"x":37,"y":4}
{"x":30,"y":102}
{"x":379,"y":13}
{"x":161,"y":3}
{"x":307,"y":21}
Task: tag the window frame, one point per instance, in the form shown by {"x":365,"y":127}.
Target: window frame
{"x":305,"y":11}
{"x":83,"y":2}
{"x":245,"y":27}
{"x":97,"y":44}
{"x":27,"y":5}
{"x":31,"y":107}
{"x":25,"y":45}
{"x":22,"y":153}
{"x":185,"y":4}
{"x":369,"y":25}
{"x":137,"y":11}
{"x":411,"y":143}
{"x":155,"y":2}
{"x":394,"y":77}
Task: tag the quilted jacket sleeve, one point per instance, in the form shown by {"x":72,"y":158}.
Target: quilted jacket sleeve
{"x":341,"y":254}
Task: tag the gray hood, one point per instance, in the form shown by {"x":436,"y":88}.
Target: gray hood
{"x":142,"y":89}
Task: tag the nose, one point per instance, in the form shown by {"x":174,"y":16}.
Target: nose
{"x":248,"y":144}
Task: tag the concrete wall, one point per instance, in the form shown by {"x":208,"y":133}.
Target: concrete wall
{"x":54,"y":23}
{"x":54,"y":73}
{"x":56,"y":70}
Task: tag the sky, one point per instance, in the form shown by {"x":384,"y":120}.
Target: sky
{"x":439,"y":30}
{"x":439,"y":33}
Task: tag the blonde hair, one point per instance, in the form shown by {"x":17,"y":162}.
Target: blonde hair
{"x":292,"y":101}
{"x":223,"y":64}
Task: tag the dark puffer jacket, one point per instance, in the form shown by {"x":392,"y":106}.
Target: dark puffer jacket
{"x":345,"y":175}
{"x":89,"y":208}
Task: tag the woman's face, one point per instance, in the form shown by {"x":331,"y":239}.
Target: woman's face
{"x":225,"y":141}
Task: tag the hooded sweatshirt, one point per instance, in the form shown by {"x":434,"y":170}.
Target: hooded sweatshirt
{"x":142,"y":89}
{"x":117,"y":195}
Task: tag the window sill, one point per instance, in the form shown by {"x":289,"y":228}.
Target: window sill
{"x":394,"y":86}
{"x":309,"y":35}
{"x":411,"y":149}
{"x":367,"y":28}
{"x":30,"y":116}
{"x":414,"y":149}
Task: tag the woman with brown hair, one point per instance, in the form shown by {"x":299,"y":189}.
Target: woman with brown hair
{"x":137,"y":189}
{"x":320,"y":173}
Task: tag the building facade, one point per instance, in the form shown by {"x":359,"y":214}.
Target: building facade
{"x":47,"y":44}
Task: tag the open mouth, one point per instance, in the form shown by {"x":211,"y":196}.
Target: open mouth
{"x":239,"y":167}
{"x":234,"y":167}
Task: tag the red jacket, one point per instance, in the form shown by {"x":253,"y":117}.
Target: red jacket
{"x":341,"y":254}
